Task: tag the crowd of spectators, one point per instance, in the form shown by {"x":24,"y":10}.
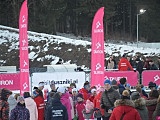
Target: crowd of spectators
{"x":136,"y":62}
{"x":112,"y":101}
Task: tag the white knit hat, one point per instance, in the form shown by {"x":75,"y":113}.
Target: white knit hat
{"x":93,"y":90}
{"x":20,"y":98}
{"x":61,"y":89}
{"x":41,"y":84}
{"x":74,"y":89}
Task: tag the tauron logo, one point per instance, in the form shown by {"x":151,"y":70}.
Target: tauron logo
{"x":156,"y":78}
{"x":98,"y":24}
{"x":98,"y":45}
{"x":98,"y":66}
{"x":24,"y":42}
{"x":23,"y":19}
{"x":25,"y":63}
{"x":25,"y":85}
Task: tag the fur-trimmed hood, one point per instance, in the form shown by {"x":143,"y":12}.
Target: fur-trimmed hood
{"x":124,"y":102}
{"x":140,"y":103}
{"x":124,"y":105}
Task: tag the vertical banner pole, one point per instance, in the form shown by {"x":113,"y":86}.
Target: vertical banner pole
{"x":97,"y":53}
{"x":23,"y":42}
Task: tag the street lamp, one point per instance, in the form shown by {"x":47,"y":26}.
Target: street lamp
{"x":140,"y":12}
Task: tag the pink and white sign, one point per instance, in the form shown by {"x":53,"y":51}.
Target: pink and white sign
{"x":132,"y":77}
{"x":10,"y":81}
{"x":97,"y":53}
{"x":23,"y":41}
{"x":151,"y":75}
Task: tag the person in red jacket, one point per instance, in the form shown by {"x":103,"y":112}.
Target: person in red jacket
{"x":80,"y":106}
{"x":124,"y":109}
{"x":85,"y":91}
{"x":97,"y":103}
{"x":93,"y":94}
{"x":40,"y":104}
{"x":124,"y":64}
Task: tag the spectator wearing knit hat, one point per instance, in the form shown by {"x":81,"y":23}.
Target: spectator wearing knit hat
{"x":124,"y":108}
{"x":109,"y":96}
{"x":97,"y":104}
{"x":140,"y":105}
{"x":20,"y":112}
{"x":93,"y":94}
{"x":80,"y":106}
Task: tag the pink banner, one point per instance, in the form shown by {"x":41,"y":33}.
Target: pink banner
{"x":132,"y":77}
{"x":151,"y":75}
{"x":10,"y":81}
{"x":23,"y":41}
{"x":97,"y":53}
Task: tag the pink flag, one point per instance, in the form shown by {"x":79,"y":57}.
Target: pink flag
{"x":23,"y":41}
{"x":97,"y":54}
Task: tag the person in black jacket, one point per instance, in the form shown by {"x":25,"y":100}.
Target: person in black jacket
{"x":139,"y":68}
{"x":57,"y":111}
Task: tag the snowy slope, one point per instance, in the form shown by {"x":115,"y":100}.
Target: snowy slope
{"x":43,"y":43}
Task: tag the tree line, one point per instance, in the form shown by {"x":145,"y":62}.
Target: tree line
{"x":75,"y":16}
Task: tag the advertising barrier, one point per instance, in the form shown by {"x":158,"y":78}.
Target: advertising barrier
{"x":151,"y":75}
{"x":10,"y":81}
{"x":59,"y":78}
{"x":131,"y":76}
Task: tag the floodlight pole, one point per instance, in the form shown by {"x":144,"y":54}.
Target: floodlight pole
{"x":141,"y":12}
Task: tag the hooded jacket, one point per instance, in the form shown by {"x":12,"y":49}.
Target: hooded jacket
{"x":151,"y":106}
{"x":20,"y":112}
{"x":140,"y":105}
{"x":66,"y":102}
{"x":32,"y":107}
{"x":12,"y":103}
{"x":57,"y":111}
{"x":126,"y":109}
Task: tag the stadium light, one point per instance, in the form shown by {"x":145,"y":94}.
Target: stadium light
{"x":141,"y":11}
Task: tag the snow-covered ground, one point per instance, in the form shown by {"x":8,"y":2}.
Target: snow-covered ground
{"x":147,"y":49}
